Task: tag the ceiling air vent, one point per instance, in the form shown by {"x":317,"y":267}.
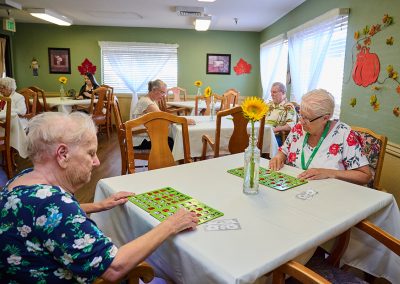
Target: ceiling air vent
{"x":190,"y":11}
{"x":8,"y":4}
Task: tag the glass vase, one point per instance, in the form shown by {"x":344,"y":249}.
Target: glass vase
{"x":251,"y":165}
{"x":62,"y":92}
{"x":198,"y":92}
{"x":212,"y":109}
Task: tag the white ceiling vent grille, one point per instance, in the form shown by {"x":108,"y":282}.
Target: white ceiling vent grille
{"x":189,"y":11}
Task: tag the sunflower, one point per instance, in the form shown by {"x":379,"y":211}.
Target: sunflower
{"x":198,"y":83}
{"x":207,"y":92}
{"x":254,"y":108}
{"x":63,"y":80}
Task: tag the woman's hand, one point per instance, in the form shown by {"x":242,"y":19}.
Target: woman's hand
{"x":182,"y":220}
{"x":277,"y":162}
{"x":115,"y":200}
{"x":191,"y":121}
{"x":317,"y":173}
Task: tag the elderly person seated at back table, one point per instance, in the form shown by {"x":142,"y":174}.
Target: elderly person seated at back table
{"x":45,"y":234}
{"x":322,"y":147}
{"x":7,"y":89}
{"x":281,"y":113}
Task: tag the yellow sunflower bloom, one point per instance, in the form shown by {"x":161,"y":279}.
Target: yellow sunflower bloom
{"x":198,"y":83}
{"x":63,"y":80}
{"x":254,"y":108}
{"x":207,"y":92}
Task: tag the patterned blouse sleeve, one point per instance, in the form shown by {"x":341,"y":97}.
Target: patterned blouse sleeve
{"x":353,"y":157}
{"x":71,"y":238}
{"x":291,"y":117}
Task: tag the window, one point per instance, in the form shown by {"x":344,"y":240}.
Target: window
{"x":273,"y":62}
{"x":129,"y":66}
{"x":316,"y":55}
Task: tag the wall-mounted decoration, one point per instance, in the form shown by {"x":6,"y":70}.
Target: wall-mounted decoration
{"x":35,"y":67}
{"x":367,"y":67}
{"x":218,"y":64}
{"x":59,"y":61}
{"x":242,"y":67}
{"x":87,"y":66}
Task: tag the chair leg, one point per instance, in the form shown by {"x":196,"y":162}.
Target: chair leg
{"x":8,"y":163}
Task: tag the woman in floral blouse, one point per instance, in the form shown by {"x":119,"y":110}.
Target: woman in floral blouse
{"x":45,"y":234}
{"x":322,"y":147}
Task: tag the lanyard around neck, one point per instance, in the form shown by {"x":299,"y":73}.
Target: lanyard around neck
{"x":303,"y":165}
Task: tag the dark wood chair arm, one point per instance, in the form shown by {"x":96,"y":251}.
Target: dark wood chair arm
{"x":206,"y":140}
{"x":299,"y":272}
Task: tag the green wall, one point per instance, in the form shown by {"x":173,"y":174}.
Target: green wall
{"x":32,"y":40}
{"x":362,"y":13}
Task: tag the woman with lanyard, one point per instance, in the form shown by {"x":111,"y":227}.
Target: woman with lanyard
{"x":321,"y":147}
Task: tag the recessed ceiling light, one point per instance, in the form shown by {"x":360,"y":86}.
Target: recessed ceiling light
{"x":50,"y":16}
{"x":206,"y":0}
{"x":202,"y":23}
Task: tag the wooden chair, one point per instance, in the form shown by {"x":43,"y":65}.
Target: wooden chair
{"x":229,"y":99}
{"x":140,"y":154}
{"x":307,"y":274}
{"x":198,"y":111}
{"x":5,"y":147}
{"x":178,"y":94}
{"x":374,"y":148}
{"x":41,"y":106}
{"x":162,"y":105}
{"x":239,"y":139}
{"x":143,"y":271}
{"x":101,"y":111}
{"x":31,"y":99}
{"x":110,"y":90}
{"x":157,"y":126}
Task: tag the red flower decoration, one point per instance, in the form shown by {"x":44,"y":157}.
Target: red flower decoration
{"x":292,"y":157}
{"x":298,"y":129}
{"x":334,"y":149}
{"x":352,"y":139}
{"x":87,"y":66}
{"x":242,"y":67}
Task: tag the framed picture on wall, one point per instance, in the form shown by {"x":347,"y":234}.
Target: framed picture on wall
{"x":59,"y":61}
{"x":218,"y":64}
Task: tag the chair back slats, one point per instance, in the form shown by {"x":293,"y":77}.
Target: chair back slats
{"x":121,"y":135}
{"x":178,"y":94}
{"x":41,"y":106}
{"x":374,"y":148}
{"x":229,"y":99}
{"x":198,"y":111}
{"x":31,"y":99}
{"x":157,"y":126}
{"x":5,"y":139}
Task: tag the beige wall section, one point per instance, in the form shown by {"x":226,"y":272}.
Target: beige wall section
{"x":390,"y":179}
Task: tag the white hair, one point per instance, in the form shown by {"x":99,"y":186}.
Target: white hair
{"x":281,"y":87}
{"x":48,"y":129}
{"x":9,"y":83}
{"x":318,"y":102}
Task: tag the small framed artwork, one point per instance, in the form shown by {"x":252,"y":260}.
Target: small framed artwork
{"x":218,"y":64}
{"x":59,"y":61}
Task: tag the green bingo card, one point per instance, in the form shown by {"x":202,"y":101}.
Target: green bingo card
{"x":275,"y":180}
{"x":164,"y":202}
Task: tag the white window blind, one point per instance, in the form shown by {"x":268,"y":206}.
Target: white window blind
{"x":273,"y":62}
{"x":316,"y":55}
{"x":129,"y":66}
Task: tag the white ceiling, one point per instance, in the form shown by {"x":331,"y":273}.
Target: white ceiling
{"x":252,"y":15}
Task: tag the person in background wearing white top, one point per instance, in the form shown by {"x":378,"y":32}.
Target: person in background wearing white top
{"x":322,"y":147}
{"x":281,"y":113}
{"x":7,"y":89}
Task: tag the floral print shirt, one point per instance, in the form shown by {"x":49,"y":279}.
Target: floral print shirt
{"x":46,"y":237}
{"x":281,"y":114}
{"x":340,"y":149}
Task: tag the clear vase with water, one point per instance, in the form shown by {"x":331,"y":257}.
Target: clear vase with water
{"x":212,"y":108}
{"x":251,"y":165}
{"x":62,"y":92}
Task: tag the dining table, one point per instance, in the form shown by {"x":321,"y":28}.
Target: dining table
{"x":192,"y":104}
{"x":271,"y":227}
{"x":206,"y":125}
{"x":18,"y":139}
{"x":65,"y":104}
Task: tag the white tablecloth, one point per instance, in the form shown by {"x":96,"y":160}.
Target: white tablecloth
{"x":65,"y":105}
{"x":17,"y":134}
{"x":192,"y":104}
{"x":204,"y":125}
{"x":275,"y":226}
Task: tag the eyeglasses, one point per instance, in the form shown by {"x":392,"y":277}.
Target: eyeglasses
{"x":311,"y":120}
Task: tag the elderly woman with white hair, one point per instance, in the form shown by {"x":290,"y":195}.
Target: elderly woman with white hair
{"x":45,"y":234}
{"x":7,"y":89}
{"x":322,"y":147}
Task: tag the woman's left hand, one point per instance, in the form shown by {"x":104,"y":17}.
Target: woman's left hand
{"x":313,"y":174}
{"x":116,"y":199}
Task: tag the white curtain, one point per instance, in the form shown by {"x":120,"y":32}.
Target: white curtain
{"x":308,"y":47}
{"x":273,"y":63}
{"x":131,"y":65}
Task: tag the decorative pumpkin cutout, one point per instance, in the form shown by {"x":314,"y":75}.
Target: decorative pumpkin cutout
{"x":367,"y":68}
